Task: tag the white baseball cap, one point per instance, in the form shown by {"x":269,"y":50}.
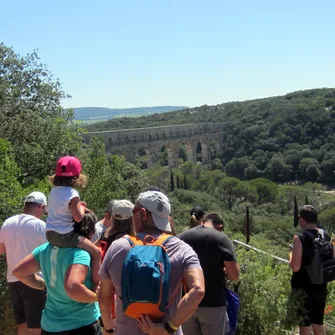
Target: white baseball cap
{"x":122,"y":210}
{"x":158,"y":204}
{"x":37,"y":197}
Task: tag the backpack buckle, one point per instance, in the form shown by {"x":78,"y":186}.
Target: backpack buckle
{"x":148,"y":239}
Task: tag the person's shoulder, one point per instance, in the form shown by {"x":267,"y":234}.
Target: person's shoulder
{"x":11,"y":220}
{"x":326,"y":235}
{"x":184,"y":234}
{"x":99,"y":225}
{"x":42,"y":249}
{"x":74,"y":254}
{"x":34,"y":221}
{"x":189,"y":232}
{"x":177,"y":242}
{"x":119,"y":244}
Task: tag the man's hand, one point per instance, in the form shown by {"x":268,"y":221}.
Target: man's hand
{"x":147,"y":326}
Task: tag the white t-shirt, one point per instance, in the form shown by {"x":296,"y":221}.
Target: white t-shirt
{"x":21,"y":234}
{"x":100,"y":228}
{"x":60,"y":217}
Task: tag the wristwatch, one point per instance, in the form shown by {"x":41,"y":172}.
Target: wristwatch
{"x":110,"y":331}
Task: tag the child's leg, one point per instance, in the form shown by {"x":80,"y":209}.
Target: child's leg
{"x":95,"y":253}
{"x":69,"y":240}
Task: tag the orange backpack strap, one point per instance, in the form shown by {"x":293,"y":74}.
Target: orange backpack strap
{"x":162,"y":239}
{"x":133,"y":240}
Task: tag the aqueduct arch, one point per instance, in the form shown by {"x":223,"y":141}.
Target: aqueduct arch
{"x":150,"y":140}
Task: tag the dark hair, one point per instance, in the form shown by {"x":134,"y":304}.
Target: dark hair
{"x":86,"y":227}
{"x":309,"y":214}
{"x":215,"y":218}
{"x":77,"y":181}
{"x":120,"y":227}
{"x":197,"y":211}
{"x":31,"y":205}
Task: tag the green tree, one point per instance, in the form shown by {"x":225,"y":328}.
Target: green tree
{"x":230,"y":190}
{"x":11,"y":192}
{"x":185,"y":183}
{"x":109,"y":177}
{"x":178,"y":183}
{"x":172,"y":187}
{"x":31,"y":116}
{"x":309,"y":169}
{"x":266,"y":190}
{"x":327,"y":219}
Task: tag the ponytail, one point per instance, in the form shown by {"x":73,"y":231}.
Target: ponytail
{"x":193,"y":221}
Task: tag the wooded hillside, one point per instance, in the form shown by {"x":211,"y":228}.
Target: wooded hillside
{"x":283,"y":138}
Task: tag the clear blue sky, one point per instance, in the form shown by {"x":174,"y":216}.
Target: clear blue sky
{"x":176,"y":52}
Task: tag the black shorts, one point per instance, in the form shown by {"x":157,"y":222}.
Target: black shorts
{"x":311,"y":308}
{"x":28,"y":304}
{"x":92,"y":329}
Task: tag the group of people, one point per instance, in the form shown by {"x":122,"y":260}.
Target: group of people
{"x":74,"y":275}
{"x":59,"y":286}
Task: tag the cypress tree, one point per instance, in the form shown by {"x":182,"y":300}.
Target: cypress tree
{"x":295,"y":215}
{"x":185,"y":183}
{"x":247,"y":226}
{"x":171,"y":182}
{"x":178,"y":184}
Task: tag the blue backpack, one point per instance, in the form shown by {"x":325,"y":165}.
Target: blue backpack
{"x":146,"y":275}
{"x":233,"y":307}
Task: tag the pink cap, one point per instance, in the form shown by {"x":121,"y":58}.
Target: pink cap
{"x":68,"y":166}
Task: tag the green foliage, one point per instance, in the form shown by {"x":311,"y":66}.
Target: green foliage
{"x":230,"y":191}
{"x":327,"y":219}
{"x":263,"y":289}
{"x":266,"y":190}
{"x":11,"y":192}
{"x":109,"y":177}
{"x":31,"y":116}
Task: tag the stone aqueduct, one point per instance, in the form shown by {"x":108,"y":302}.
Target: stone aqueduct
{"x":129,"y":142}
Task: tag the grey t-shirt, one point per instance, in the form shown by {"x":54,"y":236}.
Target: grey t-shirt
{"x":100,"y":228}
{"x":182,"y":257}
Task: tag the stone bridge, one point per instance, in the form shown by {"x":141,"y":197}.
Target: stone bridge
{"x":150,"y":141}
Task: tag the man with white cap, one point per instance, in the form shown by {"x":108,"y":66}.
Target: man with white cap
{"x":151,"y":217}
{"x":19,"y":236}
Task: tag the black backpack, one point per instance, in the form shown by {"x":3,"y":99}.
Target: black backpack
{"x":321,"y":270}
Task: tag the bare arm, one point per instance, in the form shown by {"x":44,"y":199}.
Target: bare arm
{"x":2,"y":248}
{"x":232,"y":270}
{"x":25,"y":273}
{"x":194,"y":280}
{"x":77,"y":209}
{"x":74,"y":284}
{"x":106,"y":297}
{"x":296,"y":255}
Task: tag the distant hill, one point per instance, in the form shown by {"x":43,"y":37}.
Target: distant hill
{"x":95,"y":114}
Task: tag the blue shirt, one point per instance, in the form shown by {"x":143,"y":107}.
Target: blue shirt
{"x":61,"y":312}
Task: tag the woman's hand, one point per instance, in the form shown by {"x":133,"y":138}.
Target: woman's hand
{"x":147,"y":326}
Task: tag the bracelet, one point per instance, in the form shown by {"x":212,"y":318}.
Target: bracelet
{"x":169,"y":328}
{"x":173,"y":326}
{"x":110,"y":331}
